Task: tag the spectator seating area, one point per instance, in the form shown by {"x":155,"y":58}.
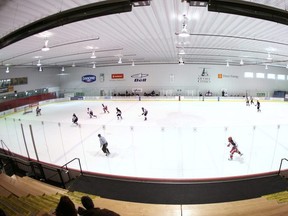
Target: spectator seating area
{"x":27,"y":196}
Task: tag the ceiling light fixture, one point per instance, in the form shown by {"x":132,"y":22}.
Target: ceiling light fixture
{"x":120,"y":60}
{"x":39,"y":63}
{"x":94,"y":65}
{"x":40,"y":69}
{"x":133,"y":64}
{"x":93,"y":56}
{"x":7,"y":70}
{"x":137,"y":3}
{"x":46,"y":48}
{"x":182,"y":52}
{"x":269,"y":57}
{"x":73,"y":65}
{"x":227,"y":64}
{"x":266,"y":67}
{"x":241,"y":62}
{"x":184,"y":31}
{"x":181,"y":62}
{"x":62,"y":69}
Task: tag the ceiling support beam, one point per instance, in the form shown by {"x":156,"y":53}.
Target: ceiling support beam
{"x":84,"y":12}
{"x":249,"y":9}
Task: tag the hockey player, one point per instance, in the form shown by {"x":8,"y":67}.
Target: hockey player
{"x":251,"y":100}
{"x":144,"y":112}
{"x":258,"y":106}
{"x":105,"y":108}
{"x":233,"y":149}
{"x":118,"y":113}
{"x":103,"y":145}
{"x":75,"y":119}
{"x":90,"y":113}
{"x":38,"y":111}
{"x":247,"y":101}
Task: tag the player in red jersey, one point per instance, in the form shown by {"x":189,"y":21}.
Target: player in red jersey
{"x":105,"y":108}
{"x":234,"y":148}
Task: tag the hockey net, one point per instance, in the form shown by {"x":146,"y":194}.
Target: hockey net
{"x":29,"y":108}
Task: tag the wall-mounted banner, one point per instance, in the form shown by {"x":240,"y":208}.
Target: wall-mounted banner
{"x":140,"y":77}
{"x":221,"y":76}
{"x":117,"y":76}
{"x":204,"y":77}
{"x":88,"y":78}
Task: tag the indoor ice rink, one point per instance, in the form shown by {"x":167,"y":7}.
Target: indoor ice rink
{"x":184,"y":139}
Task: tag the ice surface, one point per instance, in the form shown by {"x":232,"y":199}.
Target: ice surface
{"x":180,"y":139}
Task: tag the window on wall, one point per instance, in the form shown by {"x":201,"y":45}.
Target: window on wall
{"x":260,"y":75}
{"x":248,"y":75}
{"x":271,"y":76}
{"x":280,"y":76}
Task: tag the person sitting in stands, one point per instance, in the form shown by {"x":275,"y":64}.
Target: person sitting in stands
{"x":2,"y":213}
{"x":65,"y":207}
{"x":89,"y":208}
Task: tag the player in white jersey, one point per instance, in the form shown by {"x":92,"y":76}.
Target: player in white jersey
{"x":90,"y":113}
{"x":103,"y":144}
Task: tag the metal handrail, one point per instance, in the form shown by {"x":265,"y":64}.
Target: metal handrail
{"x":65,"y":165}
{"x":3,"y":144}
{"x":281,"y":165}
{"x":58,"y":171}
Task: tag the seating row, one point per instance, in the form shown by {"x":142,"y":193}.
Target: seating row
{"x":27,"y":196}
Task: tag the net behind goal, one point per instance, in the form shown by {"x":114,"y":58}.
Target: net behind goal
{"x":29,"y":108}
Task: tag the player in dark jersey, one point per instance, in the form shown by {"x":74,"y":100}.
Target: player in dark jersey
{"x":90,"y":113}
{"x":234,"y":148}
{"x":38,"y":111}
{"x":258,"y":106}
{"x":75,"y":119}
{"x":251,"y":100}
{"x":144,"y":112}
{"x":118,"y":113}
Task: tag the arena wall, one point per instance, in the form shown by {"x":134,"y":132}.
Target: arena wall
{"x":164,"y":79}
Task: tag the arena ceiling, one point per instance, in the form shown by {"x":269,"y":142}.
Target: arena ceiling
{"x":220,"y":32}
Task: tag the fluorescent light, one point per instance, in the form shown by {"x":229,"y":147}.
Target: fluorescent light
{"x":7,"y":70}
